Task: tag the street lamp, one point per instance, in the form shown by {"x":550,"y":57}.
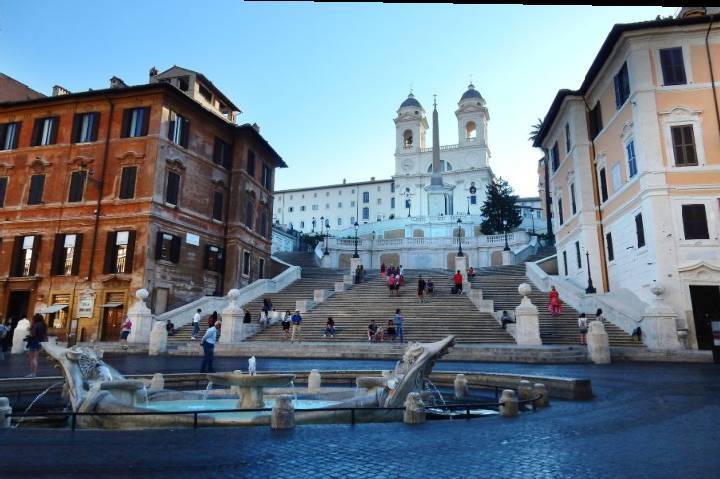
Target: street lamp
{"x":322,"y":225}
{"x":327,"y":235}
{"x":313,"y":224}
{"x":506,"y":248}
{"x":356,"y":255}
{"x":590,"y":288}
{"x":460,"y":253}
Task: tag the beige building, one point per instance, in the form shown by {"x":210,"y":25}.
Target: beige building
{"x":634,"y":170}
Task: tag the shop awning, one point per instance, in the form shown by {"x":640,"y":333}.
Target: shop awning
{"x":53,"y":308}
{"x":111,"y":305}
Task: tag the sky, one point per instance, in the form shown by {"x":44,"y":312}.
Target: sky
{"x":324,"y":81}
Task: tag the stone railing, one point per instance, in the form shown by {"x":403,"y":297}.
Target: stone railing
{"x":516,"y":238}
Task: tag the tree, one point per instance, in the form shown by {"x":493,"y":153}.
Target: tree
{"x":535,"y":131}
{"x":499,"y":205}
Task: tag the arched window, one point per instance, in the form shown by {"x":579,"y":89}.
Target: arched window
{"x":407,"y":139}
{"x":470,"y":130}
{"x":444,"y":166}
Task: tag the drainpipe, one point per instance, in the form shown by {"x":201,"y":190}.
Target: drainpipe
{"x":226,"y":212}
{"x":712,"y":75}
{"x":548,"y":201}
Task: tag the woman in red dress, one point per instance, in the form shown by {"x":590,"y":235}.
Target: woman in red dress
{"x":555,"y":305}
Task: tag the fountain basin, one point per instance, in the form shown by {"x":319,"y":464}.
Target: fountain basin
{"x":251,"y":386}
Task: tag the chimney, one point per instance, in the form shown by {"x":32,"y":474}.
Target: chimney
{"x":153,"y":73}
{"x":116,"y":82}
{"x":59,"y":90}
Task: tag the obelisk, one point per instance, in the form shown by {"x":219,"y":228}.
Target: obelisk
{"x":439,"y":195}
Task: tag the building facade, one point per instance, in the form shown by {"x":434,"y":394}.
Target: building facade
{"x":634,"y":159}
{"x":108,"y":191}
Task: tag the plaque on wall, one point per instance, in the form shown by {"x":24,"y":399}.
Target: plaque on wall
{"x":86,"y":304}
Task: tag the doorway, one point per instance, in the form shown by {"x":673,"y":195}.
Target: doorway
{"x":112,"y":323}
{"x":17,"y":306}
{"x":706,"y":309}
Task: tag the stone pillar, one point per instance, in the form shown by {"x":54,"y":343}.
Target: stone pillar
{"x":461,"y":265}
{"x":232,"y":320}
{"x":524,"y":391}
{"x":508,"y":403}
{"x":283,"y":413}
{"x":527,"y":321}
{"x":659,"y":323}
{"x":21,"y":331}
{"x":541,"y":390}
{"x":508,"y":257}
{"x":5,"y":409}
{"x":598,"y":343}
{"x":141,"y":318}
{"x":314,"y":381}
{"x":414,"y":409}
{"x":158,"y":339}
{"x":461,"y":387}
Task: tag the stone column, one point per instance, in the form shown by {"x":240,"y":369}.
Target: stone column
{"x":5,"y":409}
{"x":659,"y":323}
{"x":508,"y":403}
{"x":414,"y":409}
{"x":158,"y":339}
{"x":598,"y":343}
{"x":314,"y":381}
{"x":527,"y":321}
{"x":461,"y":387}
{"x":283,"y":413}
{"x":232,"y":320}
{"x":141,"y":318}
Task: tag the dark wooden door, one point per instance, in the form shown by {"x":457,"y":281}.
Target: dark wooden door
{"x":706,"y":309}
{"x":112,"y":323}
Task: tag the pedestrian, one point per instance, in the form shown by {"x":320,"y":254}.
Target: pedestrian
{"x":398,"y":280}
{"x":391,"y":283}
{"x":286,"y":325}
{"x":212,"y":319}
{"x":421,"y":289}
{"x":599,"y":316}
{"x":430,"y":287}
{"x":196,"y":324}
{"x":38,"y":334}
{"x":263,"y":319}
{"x":391,"y":331}
{"x":471,"y":272}
{"x":357,"y":275}
{"x":296,"y":320}
{"x":382,"y":270}
{"x":125,"y":331}
{"x":398,"y":322}
{"x":555,"y":305}
{"x":583,"y":327}
{"x":247,"y":317}
{"x":4,"y":333}
{"x":329,"y":328}
{"x":208,"y":343}
{"x":506,"y":319}
{"x":458,"y":281}
{"x":170,"y":328}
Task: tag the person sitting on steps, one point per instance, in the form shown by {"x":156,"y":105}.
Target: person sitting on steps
{"x":506,"y":319}
{"x":374,"y":332}
{"x":329,"y":328}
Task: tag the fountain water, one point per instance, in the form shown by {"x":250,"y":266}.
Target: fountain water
{"x":207,"y":389}
{"x":430,"y":386}
{"x":251,"y":366}
{"x":37,"y":398}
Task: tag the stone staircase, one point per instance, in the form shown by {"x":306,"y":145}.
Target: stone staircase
{"x":304,"y":259}
{"x":442,"y":315}
{"x":500,"y":284}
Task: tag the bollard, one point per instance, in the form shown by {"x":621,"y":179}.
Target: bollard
{"x":5,"y":411}
{"x":508,"y":403}
{"x":314,"y":381}
{"x":414,"y":409}
{"x":461,"y":387}
{"x":524,"y":391}
{"x":283,"y":413}
{"x":541,"y":390}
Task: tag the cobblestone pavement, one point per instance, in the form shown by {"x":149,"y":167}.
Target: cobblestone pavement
{"x":647,"y":420}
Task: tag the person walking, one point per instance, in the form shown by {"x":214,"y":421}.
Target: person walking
{"x":382,"y":270}
{"x":421,"y":289}
{"x":458,"y":281}
{"x":286,"y":326}
{"x":391,"y":284}
{"x":398,"y":282}
{"x":398,"y":321}
{"x":208,"y":343}
{"x":506,"y":319}
{"x":391,"y":331}
{"x":296,"y":320}
{"x":263,"y":319}
{"x":213,"y":318}
{"x":555,"y":305}
{"x":196,"y":324}
{"x":599,"y":316}
{"x":583,"y":327}
{"x":38,"y":334}
{"x":125,"y":331}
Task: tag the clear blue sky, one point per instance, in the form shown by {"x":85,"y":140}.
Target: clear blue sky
{"x":324,"y":81}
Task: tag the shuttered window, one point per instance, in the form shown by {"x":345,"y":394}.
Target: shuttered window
{"x":25,"y":254}
{"x":561,"y":216}
{"x":119,"y":252}
{"x":251,"y":163}
{"x":77,"y":186}
{"x":640,"y":230}
{"x":596,"y":124}
{"x":214,"y":259}
{"x":610,"y":249}
{"x":167,"y":247}
{"x":565,"y":262}
{"x":577,"y":254}
{"x":135,"y":122}
{"x":603,"y":185}
{"x":173,"y":188}
{"x":66,"y":254}
{"x":37,"y":185}
{"x":178,"y":129}
{"x":555,"y":157}
{"x":695,"y":222}
{"x":222,"y":153}
{"x":9,"y":134}
{"x":45,"y":131}
{"x":3,"y":190}
{"x":673,"y":67}
{"x":85,"y":127}
{"x":217,"y":206}
{"x":622,"y":86}
{"x":127,"y":182}
{"x":572,"y":199}
{"x":684,"y":145}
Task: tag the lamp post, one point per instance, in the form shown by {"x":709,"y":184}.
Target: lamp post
{"x":313,"y":224}
{"x":507,"y":247}
{"x":327,"y":236}
{"x":356,"y":255}
{"x":590,"y":288}
{"x":322,"y":225}
{"x":468,"y":210}
{"x":459,"y":223}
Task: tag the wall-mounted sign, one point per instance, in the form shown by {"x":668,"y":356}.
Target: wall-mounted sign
{"x":86,"y":304}
{"x":192,"y":239}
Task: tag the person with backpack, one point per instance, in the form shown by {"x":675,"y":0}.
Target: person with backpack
{"x":583,"y":327}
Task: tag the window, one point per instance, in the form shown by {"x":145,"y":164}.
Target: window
{"x":577,"y":254}
{"x":261,"y":268}
{"x":217,"y":211}
{"x":45,"y":131}
{"x":572,"y":199}
{"x":291,"y":209}
{"x":379,"y":201}
{"x":610,"y":250}
{"x":249,"y":208}
{"x":25,"y":253}
{"x":392,"y":187}
{"x":251,"y":163}
{"x":568,"y":144}
{"x":327,"y":206}
{"x":246,"y":263}
{"x":3,"y":189}
{"x":173,"y":188}
{"x":622,"y":86}
{"x":366,"y":213}
{"x":267,"y":177}
{"x":222,"y":153}
{"x":684,"y":145}
{"x":85,"y":127}
{"x":596,"y":125}
{"x":555,"y":157}
{"x":352,"y":204}
{"x":392,"y":203}
{"x":77,"y":186}
{"x":639,"y":230}
{"x":302,"y":208}
{"x":632,"y":162}
{"x":37,"y":185}
{"x":560,"y":211}
{"x":565,"y":262}
{"x":695,"y":222}
{"x":119,"y":252}
{"x":263,"y":224}
{"x":66,"y":254}
{"x":603,"y":186}
{"x":339,"y":204}
{"x":167,"y":247}
{"x":673,"y":67}
{"x":315,"y":207}
{"x":183,"y":83}
{"x":339,"y":222}
{"x":366,"y":197}
{"x":127,"y":182}
{"x":616,"y":177}
{"x":213,"y":258}
{"x":9,"y":134}
{"x":135,"y":122}
{"x":205,"y":93}
{"x":302,"y":224}
{"x":178,"y":129}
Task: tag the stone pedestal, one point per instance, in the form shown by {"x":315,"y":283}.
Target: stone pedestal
{"x":339,"y":286}
{"x":21,"y":331}
{"x":414,"y":409}
{"x":5,"y":409}
{"x":539,"y":389}
{"x":283,"y":413}
{"x":508,"y":257}
{"x":598,"y":343}
{"x":251,"y":397}
{"x":233,"y":329}
{"x":348,"y":279}
{"x":524,"y":391}
{"x":320,"y":295}
{"x":158,"y":339}
{"x":659,"y":323}
{"x":461,"y":264}
{"x":304,"y":305}
{"x":527,"y":320}
{"x":461,"y":387}
{"x":508,"y":403}
{"x":157,"y":383}
{"x":354,"y":263}
{"x":141,"y":318}
{"x":314,"y":381}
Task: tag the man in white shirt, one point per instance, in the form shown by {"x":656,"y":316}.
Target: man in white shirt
{"x":196,"y":324}
{"x":208,"y":343}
